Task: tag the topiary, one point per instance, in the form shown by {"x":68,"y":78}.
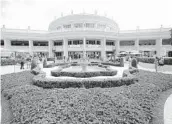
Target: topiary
{"x":134,"y":63}
{"x":33,"y":64}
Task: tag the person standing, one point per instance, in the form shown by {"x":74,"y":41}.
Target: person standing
{"x":156,"y":64}
{"x":22,"y":64}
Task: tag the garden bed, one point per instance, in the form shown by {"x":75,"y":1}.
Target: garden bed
{"x":57,"y":73}
{"x":131,"y":104}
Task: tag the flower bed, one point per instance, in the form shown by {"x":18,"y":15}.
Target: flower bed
{"x":131,"y":104}
{"x":9,"y":81}
{"x":57,"y":73}
{"x":82,"y":82}
{"x":73,"y":106}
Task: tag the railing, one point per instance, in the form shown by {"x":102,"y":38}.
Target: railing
{"x":93,"y":46}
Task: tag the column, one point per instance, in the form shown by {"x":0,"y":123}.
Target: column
{"x":137,"y":44}
{"x":7,"y":44}
{"x":65,"y":47}
{"x":30,"y":47}
{"x":117,"y":46}
{"x":50,"y":48}
{"x":159,"y":47}
{"x":103,"y":49}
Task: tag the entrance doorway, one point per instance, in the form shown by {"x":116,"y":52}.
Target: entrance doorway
{"x":170,"y":54}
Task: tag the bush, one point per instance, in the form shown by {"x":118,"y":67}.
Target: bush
{"x":145,"y":95}
{"x":9,"y":61}
{"x":167,"y":61}
{"x":163,"y":81}
{"x":36,"y":70}
{"x":109,"y":63}
{"x":82,"y":82}
{"x":12,"y":80}
{"x":50,"y":59}
{"x":83,"y":74}
{"x":33,"y":64}
{"x":146,"y":60}
{"x":73,"y":106}
{"x":134,"y":63}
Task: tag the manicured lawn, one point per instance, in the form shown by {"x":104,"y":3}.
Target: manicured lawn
{"x":126,"y":104}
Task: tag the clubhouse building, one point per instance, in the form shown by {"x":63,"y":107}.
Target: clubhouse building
{"x":98,"y":36}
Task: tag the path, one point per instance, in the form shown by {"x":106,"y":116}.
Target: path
{"x":158,"y":110}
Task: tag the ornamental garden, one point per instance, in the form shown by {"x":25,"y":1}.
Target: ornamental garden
{"x":85,"y":92}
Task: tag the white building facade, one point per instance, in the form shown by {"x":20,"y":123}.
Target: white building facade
{"x":97,"y":35}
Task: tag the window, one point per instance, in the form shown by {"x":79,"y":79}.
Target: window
{"x":167,"y":41}
{"x":19,"y":43}
{"x":127,"y":43}
{"x":101,"y":26}
{"x":147,"y":42}
{"x":98,"y":42}
{"x":89,"y":25}
{"x":67,"y":26}
{"x":40,"y":43}
{"x":58,"y":43}
{"x":2,"y":42}
{"x":110,"y":42}
{"x":69,"y":42}
{"x":78,"y":25}
{"x":75,"y":42}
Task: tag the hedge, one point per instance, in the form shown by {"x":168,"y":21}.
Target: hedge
{"x":50,"y":59}
{"x":35,"y":105}
{"x":131,"y":104}
{"x":57,"y":73}
{"x":110,"y":63}
{"x":9,"y":61}
{"x":146,"y":60}
{"x":13,"y":80}
{"x":82,"y":82}
{"x":167,"y":60}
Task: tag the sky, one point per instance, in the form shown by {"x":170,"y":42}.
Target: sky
{"x":128,"y":14}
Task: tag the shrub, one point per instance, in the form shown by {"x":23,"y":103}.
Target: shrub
{"x":163,"y":81}
{"x":9,"y":61}
{"x":83,"y":74}
{"x":12,"y":80}
{"x":146,"y":60}
{"x":145,"y":95}
{"x":50,"y":59}
{"x":109,"y":63}
{"x":73,"y":106}
{"x":134,"y":63}
{"x":167,"y":61}
{"x":36,"y":70}
{"x":81,"y":82}
{"x":33,"y":64}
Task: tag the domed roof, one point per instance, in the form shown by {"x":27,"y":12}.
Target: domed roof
{"x":82,"y":18}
